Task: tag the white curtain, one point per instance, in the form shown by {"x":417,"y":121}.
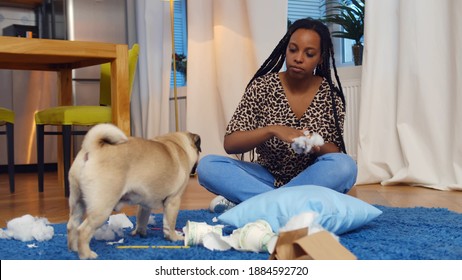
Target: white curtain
{"x":150,"y":101}
{"x":410,"y":117}
{"x":227,"y":43}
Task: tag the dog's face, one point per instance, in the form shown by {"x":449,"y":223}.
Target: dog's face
{"x":196,"y":140}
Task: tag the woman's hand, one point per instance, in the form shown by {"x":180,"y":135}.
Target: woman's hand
{"x":244,"y":141}
{"x":286,"y":133}
{"x":325,"y":149}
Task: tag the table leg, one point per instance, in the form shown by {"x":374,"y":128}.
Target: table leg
{"x":64,"y":98}
{"x":120,"y":95}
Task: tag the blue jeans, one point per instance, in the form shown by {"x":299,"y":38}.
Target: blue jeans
{"x":239,"y":180}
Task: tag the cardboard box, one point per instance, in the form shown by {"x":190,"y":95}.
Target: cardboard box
{"x":298,"y":245}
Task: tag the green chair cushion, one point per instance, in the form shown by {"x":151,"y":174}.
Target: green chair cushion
{"x":74,"y":115}
{"x":6,"y":115}
{"x":89,"y":115}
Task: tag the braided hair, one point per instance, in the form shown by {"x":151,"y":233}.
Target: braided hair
{"x":275,"y":61}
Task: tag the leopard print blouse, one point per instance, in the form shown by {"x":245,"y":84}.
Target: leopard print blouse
{"x":264,"y":103}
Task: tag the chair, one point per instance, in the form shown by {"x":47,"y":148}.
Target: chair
{"x":7,"y":119}
{"x":68,"y":116}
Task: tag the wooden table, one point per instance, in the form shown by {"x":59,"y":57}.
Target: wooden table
{"x":62,"y":56}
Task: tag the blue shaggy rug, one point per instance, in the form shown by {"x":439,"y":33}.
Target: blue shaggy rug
{"x":398,"y":234}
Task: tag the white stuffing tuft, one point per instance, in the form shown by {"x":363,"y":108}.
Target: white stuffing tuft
{"x":28,"y":228}
{"x":113,"y":228}
{"x":152,"y":220}
{"x":304,"y":144}
{"x":105,"y":232}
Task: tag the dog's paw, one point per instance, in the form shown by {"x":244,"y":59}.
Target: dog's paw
{"x":72,"y":248}
{"x":141,"y":233}
{"x":180,"y":237}
{"x":72,"y":245}
{"x":88,"y":256}
{"x":175,"y":237}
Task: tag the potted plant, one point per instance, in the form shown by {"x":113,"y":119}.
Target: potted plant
{"x":349,"y":14}
{"x":181,"y":63}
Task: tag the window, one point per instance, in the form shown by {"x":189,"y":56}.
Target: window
{"x":298,"y":9}
{"x":181,"y":41}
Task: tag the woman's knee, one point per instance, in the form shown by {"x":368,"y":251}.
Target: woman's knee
{"x":346,"y":166}
{"x":209,"y":167}
{"x":204,"y":169}
{"x":343,"y":169}
{"x":206,"y":162}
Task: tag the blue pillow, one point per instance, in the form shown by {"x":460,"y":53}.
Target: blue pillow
{"x":337,"y":212}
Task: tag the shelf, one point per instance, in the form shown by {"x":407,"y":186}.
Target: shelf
{"x":21,"y":3}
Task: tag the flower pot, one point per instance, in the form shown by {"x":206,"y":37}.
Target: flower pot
{"x":357,"y":53}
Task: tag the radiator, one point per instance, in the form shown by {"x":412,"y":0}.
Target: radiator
{"x":351,"y":90}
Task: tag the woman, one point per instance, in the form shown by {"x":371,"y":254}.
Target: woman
{"x":276,"y":108}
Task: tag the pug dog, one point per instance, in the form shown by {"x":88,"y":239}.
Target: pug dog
{"x":112,"y":169}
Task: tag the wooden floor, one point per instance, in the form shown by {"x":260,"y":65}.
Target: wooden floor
{"x":52,"y":204}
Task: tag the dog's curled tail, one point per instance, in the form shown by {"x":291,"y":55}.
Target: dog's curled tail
{"x":103,"y":134}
